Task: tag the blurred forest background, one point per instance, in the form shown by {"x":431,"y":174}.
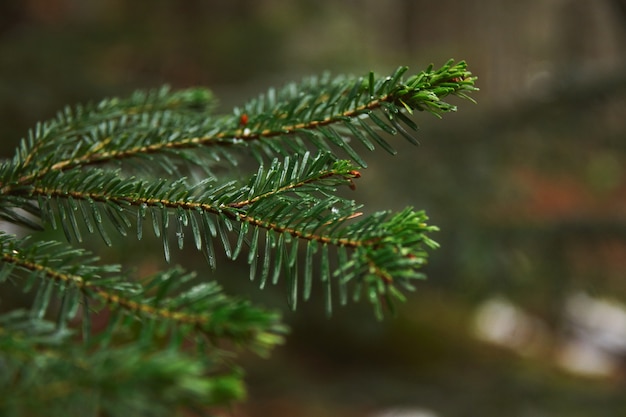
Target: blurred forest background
{"x":524,"y":310}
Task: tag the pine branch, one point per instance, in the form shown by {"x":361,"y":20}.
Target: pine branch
{"x":42,"y":369}
{"x":74,"y":277}
{"x":276,"y":201}
{"x":319,"y":109}
{"x":85,"y":132}
{"x":148,"y":162}
{"x":290,"y":201}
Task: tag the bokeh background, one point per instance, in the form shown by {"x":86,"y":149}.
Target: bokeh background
{"x":523,"y":313}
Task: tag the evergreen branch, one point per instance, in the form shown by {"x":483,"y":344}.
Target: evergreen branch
{"x":84,"y":131}
{"x":280,"y":200}
{"x":320,"y":174}
{"x":95,"y":124}
{"x":384,"y":251}
{"x":293,"y":178}
{"x":43,"y":369}
{"x":291,"y":199}
{"x":203,"y":306}
{"x":319,"y":110}
{"x":75,"y":173}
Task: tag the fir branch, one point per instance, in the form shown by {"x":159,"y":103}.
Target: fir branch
{"x":275,"y":200}
{"x":298,"y":111}
{"x":83,"y":132}
{"x":44,"y":370}
{"x":147,"y":162}
{"x":203,"y":306}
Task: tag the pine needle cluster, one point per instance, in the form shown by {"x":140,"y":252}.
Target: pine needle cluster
{"x":161,"y":162}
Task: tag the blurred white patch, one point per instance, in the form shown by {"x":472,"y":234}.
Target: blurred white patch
{"x":500,"y":322}
{"x":598,"y":338}
{"x":406,"y":412}
{"x":581,"y":357}
{"x":594,"y":345}
{"x":601,"y":322}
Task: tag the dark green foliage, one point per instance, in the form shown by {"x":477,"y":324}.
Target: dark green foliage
{"x":162,"y":161}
